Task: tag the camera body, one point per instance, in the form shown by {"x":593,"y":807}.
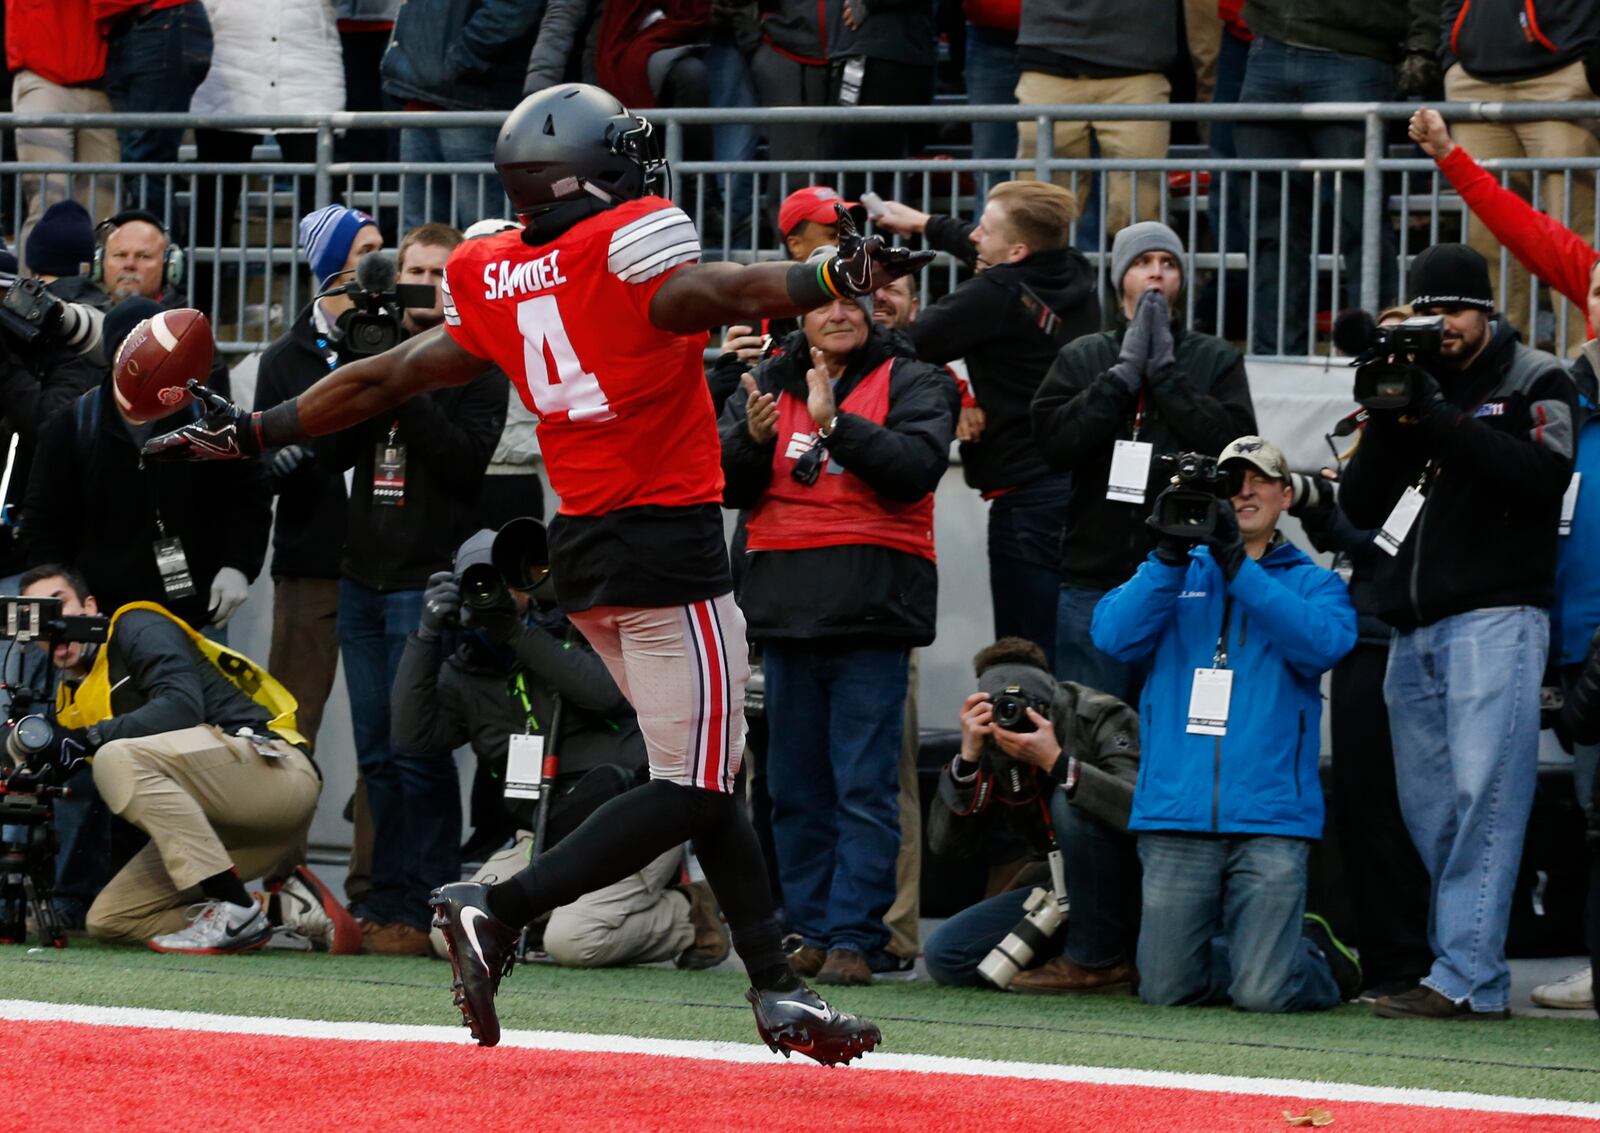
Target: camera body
{"x":1011,"y":706}
{"x":31,"y":315}
{"x":1189,"y":509}
{"x":1386,"y":369}
{"x":519,"y":559}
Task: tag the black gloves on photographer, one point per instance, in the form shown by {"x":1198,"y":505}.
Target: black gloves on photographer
{"x":1226,"y":541}
{"x":1171,"y":550}
{"x":499,"y":623}
{"x":441,"y":604}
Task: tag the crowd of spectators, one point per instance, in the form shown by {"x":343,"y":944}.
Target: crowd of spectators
{"x":1171,"y":684}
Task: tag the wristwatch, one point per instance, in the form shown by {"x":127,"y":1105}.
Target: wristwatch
{"x":827,"y":430}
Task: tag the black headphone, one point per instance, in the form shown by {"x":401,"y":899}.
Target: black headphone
{"x":172,"y":260}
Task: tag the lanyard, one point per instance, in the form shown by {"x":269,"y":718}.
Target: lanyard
{"x":517,"y":686}
{"x":1220,"y":661}
{"x":1138,"y":416}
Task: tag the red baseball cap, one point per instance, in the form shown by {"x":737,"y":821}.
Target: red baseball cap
{"x":814,"y":203}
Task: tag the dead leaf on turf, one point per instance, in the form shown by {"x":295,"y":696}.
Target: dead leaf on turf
{"x":1313,"y":1116}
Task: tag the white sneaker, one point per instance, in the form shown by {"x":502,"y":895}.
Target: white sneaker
{"x":1574,"y":993}
{"x":218,"y":927}
{"x":306,"y":905}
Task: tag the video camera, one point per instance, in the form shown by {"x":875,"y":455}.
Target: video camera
{"x":373,"y":324}
{"x":1385,"y":357}
{"x":1188,"y":510}
{"x":26,"y":619}
{"x":31,"y":315}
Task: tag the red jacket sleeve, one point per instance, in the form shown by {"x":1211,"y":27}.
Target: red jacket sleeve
{"x":1545,"y":246}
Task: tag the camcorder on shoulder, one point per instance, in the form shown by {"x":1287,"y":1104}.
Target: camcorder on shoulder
{"x":1188,"y":509}
{"x":1386,"y":357}
{"x":373,"y":325}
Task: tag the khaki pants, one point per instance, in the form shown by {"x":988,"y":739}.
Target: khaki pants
{"x":33,"y":94}
{"x":1202,"y":27}
{"x":633,"y":921}
{"x":1117,"y":139}
{"x":1531,"y":139}
{"x":903,"y":914}
{"x":210,"y":803}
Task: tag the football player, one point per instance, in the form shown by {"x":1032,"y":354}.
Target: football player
{"x":598,"y":310}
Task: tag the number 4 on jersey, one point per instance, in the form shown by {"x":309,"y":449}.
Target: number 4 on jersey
{"x":557,"y":381}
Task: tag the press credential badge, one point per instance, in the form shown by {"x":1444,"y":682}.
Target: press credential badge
{"x":1208,"y":702}
{"x":1398,"y":525}
{"x":1130,"y":471}
{"x":524,"y":763}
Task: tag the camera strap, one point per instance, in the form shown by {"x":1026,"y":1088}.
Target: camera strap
{"x":389,"y":470}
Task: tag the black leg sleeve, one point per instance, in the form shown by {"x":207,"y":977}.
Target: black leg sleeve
{"x":730,"y":854}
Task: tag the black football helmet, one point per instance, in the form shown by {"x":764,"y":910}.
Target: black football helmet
{"x":570,"y":151}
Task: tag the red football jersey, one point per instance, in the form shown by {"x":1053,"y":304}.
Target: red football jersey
{"x":625,"y":416}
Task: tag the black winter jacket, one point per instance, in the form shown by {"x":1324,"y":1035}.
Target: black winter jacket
{"x":92,"y":503}
{"x":1378,"y":29}
{"x":449,"y":436}
{"x":1357,"y":560}
{"x":308,"y":531}
{"x":864,"y":592}
{"x":441,"y":702}
{"x":1487,"y":532}
{"x":461,"y":54}
{"x":1502,"y":41}
{"x":1081,"y":411}
{"x":984,"y":320}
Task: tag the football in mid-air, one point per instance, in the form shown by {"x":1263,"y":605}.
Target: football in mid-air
{"x":157,"y":359}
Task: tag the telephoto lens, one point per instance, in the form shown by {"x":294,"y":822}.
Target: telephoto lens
{"x":1044,"y":918}
{"x":30,"y":736}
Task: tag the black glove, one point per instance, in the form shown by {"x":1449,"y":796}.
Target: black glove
{"x":226,"y":432}
{"x":1171,"y":550}
{"x":54,"y":764}
{"x":865,"y":264}
{"x":441,"y":603}
{"x":499,"y":623}
{"x":1420,"y":77}
{"x":1226,"y":541}
{"x":1428,"y":407}
{"x":286,"y":460}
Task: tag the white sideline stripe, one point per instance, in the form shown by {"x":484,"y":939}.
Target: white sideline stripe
{"x":28,"y":1011}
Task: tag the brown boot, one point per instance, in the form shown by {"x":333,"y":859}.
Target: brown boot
{"x":711,"y":942}
{"x":392,"y":938}
{"x":1061,"y":976}
{"x":845,"y":966}
{"x":807,"y":961}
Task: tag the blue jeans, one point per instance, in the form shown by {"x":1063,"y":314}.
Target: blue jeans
{"x":1079,"y":659}
{"x":414,"y":797}
{"x":731,"y":89}
{"x":1279,"y":72}
{"x":835,"y":716}
{"x":992,"y":75}
{"x":459,"y":200}
{"x":1102,"y":875}
{"x":1025,"y":559}
{"x":153,"y":67}
{"x":1223,"y":924}
{"x":1463,"y":696}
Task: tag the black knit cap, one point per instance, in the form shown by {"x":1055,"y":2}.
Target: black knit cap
{"x":1451,"y":275}
{"x":62,"y":242}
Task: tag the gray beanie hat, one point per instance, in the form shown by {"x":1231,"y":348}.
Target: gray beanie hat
{"x":1137,"y":239}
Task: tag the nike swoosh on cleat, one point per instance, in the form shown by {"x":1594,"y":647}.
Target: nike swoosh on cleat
{"x":469,"y":924}
{"x":825,"y":1016}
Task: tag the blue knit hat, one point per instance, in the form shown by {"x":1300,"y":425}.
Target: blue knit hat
{"x":62,"y":242}
{"x":326,"y":236}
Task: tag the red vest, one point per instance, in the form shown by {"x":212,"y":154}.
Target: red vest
{"x":839,"y":509}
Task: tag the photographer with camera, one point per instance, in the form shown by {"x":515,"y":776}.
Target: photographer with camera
{"x":836,"y":448}
{"x":1112,"y":407}
{"x":193,"y":744}
{"x":517,"y":675}
{"x":1059,"y":760}
{"x":1237,"y":631}
{"x":1465,"y":479}
{"x":418,"y":471}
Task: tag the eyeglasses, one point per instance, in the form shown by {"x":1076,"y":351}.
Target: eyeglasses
{"x":809,"y":466}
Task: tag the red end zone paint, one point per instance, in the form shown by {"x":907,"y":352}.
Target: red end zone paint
{"x":85,"y":1078}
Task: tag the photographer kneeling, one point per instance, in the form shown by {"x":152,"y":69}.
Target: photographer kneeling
{"x":1071,"y":737}
{"x":217,"y":776}
{"x":505,"y":665}
{"x":1238,"y":633}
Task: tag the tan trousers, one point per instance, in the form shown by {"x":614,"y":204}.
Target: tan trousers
{"x":210,"y":803}
{"x":633,"y":921}
{"x":1117,"y":139}
{"x":1531,"y":139}
{"x":903,"y":914}
{"x":33,"y":94}
{"x":1203,"y":28}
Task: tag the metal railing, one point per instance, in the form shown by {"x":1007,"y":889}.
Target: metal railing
{"x":1238,"y":245}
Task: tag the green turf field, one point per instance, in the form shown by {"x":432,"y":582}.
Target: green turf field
{"x":1533,"y":1057}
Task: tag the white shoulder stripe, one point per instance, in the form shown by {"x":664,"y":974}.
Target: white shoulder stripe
{"x":451,"y":316}
{"x":669,"y":258}
{"x":647,"y":242}
{"x":648,"y":218}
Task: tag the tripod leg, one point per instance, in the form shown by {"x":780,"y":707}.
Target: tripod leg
{"x":38,"y":891}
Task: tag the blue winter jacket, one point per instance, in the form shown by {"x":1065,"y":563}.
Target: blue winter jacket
{"x":1288,"y":621}
{"x":1577,"y":609}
